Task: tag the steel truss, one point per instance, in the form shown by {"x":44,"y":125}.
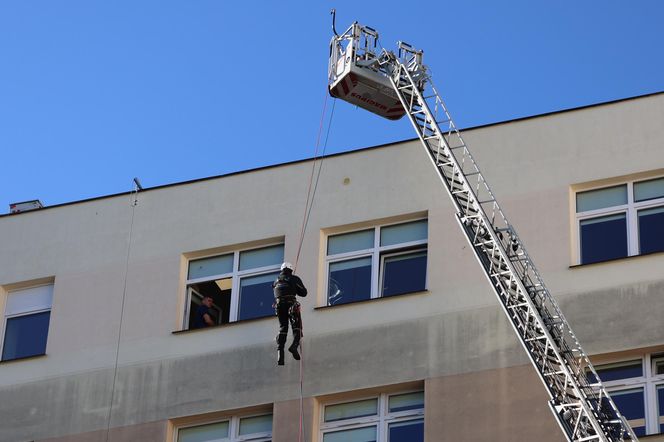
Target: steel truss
{"x":581,"y":404}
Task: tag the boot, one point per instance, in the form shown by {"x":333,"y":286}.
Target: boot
{"x":280,"y":356}
{"x":293,"y":349}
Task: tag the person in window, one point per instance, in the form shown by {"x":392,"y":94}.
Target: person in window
{"x":204,"y":314}
{"x":286,"y":288}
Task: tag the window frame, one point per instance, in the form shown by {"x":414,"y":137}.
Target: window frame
{"x":649,"y":381}
{"x":233,"y":427}
{"x":6,"y":318}
{"x":630,"y":209}
{"x":236,"y":276}
{"x":382,"y":419}
{"x":377,"y":254}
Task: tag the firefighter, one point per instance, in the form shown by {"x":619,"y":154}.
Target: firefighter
{"x":286,"y":288}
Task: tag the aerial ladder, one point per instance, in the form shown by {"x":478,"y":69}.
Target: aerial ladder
{"x":393,"y":85}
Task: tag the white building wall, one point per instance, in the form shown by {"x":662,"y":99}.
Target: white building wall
{"x":455,"y":328}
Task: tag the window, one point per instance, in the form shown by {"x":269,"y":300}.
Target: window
{"x":239,"y":283}
{"x":384,"y":418}
{"x":637,"y":389}
{"x":25,"y":325}
{"x":378,"y":262}
{"x":619,"y":221}
{"x":234,"y":429}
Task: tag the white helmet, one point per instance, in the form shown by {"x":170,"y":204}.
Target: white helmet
{"x":287,"y":265}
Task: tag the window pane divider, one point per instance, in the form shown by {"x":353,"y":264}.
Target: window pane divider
{"x":258,"y":270}
{"x":353,"y":254}
{"x":649,"y":204}
{"x":31,"y":312}
{"x":348,"y":258}
{"x":403,"y":245}
{"x":375,"y":265}
{"x":210,"y":278}
{"x":602,"y":212}
{"x":349,"y":424}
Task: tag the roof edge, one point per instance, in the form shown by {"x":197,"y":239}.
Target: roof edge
{"x":303,"y":160}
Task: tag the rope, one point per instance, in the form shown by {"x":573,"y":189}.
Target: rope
{"x":311,"y":178}
{"x":301,"y":431}
{"x":124,"y":295}
{"x":320,"y":168}
{"x":311,"y":193}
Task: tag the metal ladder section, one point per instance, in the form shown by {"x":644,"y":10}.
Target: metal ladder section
{"x":584,"y":410}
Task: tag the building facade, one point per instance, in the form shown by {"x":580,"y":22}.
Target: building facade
{"x":403,"y":337}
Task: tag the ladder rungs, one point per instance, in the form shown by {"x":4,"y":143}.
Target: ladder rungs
{"x":534,"y":290}
{"x":484,"y":243}
{"x":536,"y":338}
{"x":523,"y":304}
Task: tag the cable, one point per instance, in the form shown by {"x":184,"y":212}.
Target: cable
{"x":301,"y":430}
{"x":124,"y":295}
{"x":310,"y":201}
{"x":311,"y":177}
{"x":320,"y":166}
{"x":305,"y":221}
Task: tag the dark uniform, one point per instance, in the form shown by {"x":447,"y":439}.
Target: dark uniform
{"x":286,"y":288}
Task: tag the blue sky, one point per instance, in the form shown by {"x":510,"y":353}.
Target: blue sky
{"x":93,"y":93}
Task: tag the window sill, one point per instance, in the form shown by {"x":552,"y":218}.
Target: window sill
{"x":215,"y":327}
{"x":615,"y":259}
{"x":383,"y":298}
{"x":23,"y":358}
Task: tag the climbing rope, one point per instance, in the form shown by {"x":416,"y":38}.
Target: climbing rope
{"x":301,"y":430}
{"x":134,"y":203}
{"x":311,"y":193}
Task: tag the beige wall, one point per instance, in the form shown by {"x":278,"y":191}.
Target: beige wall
{"x":453,"y":330}
{"x":505,"y":404}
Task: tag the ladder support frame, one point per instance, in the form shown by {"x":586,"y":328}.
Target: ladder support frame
{"x":581,"y":413}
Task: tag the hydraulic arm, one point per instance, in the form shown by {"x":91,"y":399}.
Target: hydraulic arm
{"x":376,"y":81}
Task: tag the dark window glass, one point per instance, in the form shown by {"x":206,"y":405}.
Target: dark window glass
{"x":603,"y":238}
{"x":404,"y":273}
{"x":408,"y":431}
{"x":631,"y":404}
{"x":633,"y":369}
{"x":349,"y":281}
{"x":256,"y":296}
{"x":651,"y":230}
{"x":26,"y":336}
{"x":660,"y":402}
